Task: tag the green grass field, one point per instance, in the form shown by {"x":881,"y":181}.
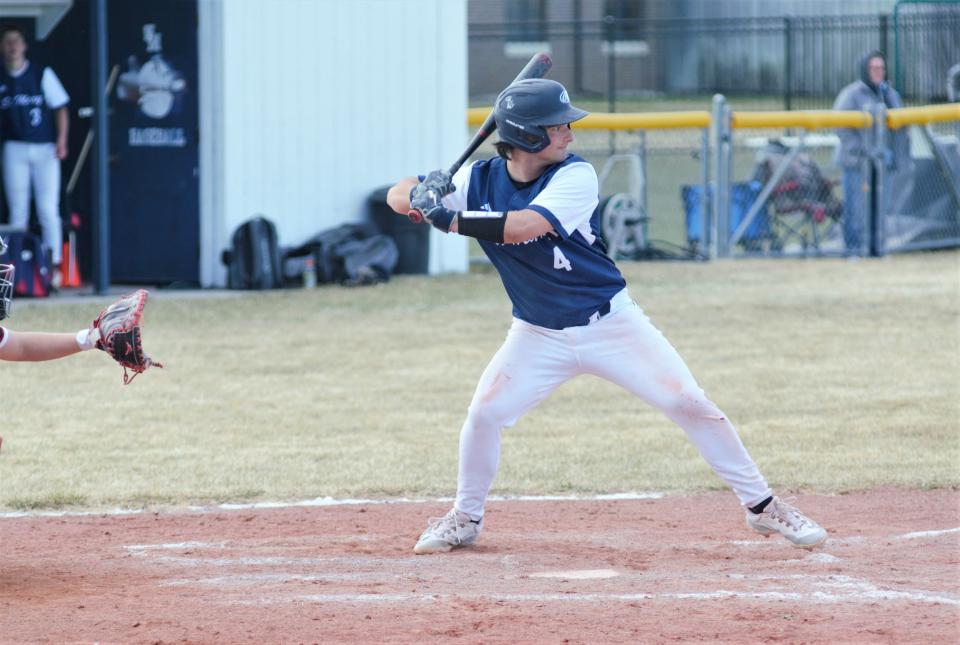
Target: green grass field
{"x":839,"y":376}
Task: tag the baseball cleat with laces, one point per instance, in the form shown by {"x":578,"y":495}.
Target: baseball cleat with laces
{"x":453,"y":530}
{"x":780,"y":517}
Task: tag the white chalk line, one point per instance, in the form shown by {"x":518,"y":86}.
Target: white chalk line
{"x":927,"y":534}
{"x":175,"y":546}
{"x":110,"y":511}
{"x":280,"y":561}
{"x":818,"y":556}
{"x":815,"y":597}
{"x":582,"y":574}
{"x":330,"y":501}
{"x":256,"y":579}
{"x":412,"y":564}
{"x":839,"y":589}
{"x":852,"y":540}
{"x":829,"y":588}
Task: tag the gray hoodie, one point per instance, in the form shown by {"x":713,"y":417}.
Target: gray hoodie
{"x":860,"y":95}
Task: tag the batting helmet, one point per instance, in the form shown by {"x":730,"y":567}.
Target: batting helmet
{"x":526,"y":107}
{"x":6,"y":284}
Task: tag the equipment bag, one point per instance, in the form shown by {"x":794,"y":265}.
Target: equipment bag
{"x":324,"y":245}
{"x":31,"y":259}
{"x":253,"y":261}
{"x":366,"y":261}
{"x":350,"y":254}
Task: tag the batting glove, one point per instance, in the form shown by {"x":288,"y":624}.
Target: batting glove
{"x":440,"y":181}
{"x":429,"y":204}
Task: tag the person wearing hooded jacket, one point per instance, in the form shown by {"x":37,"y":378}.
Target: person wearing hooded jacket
{"x":866,"y":93}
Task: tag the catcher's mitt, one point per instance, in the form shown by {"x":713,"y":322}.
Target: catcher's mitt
{"x":119,"y":326}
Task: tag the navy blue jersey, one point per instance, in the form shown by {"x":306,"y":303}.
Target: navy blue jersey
{"x":27,"y":101}
{"x":556,"y":280}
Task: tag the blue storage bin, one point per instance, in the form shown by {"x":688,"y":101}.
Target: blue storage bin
{"x":742,"y":197}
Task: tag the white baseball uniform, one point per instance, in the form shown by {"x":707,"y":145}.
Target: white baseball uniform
{"x":28,"y":98}
{"x":572,"y":315}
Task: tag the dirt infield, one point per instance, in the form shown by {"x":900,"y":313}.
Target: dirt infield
{"x":675,"y":569}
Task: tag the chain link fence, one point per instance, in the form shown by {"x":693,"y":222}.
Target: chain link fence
{"x":691,"y":185}
{"x":651,"y":190}
{"x":918,"y":201}
{"x":653,"y":174}
{"x":785,"y":196}
{"x":783,"y":189}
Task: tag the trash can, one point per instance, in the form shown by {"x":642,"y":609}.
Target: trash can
{"x":413,"y":240}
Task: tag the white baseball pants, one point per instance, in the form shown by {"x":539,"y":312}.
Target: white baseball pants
{"x":623,"y":347}
{"x":37,"y":164}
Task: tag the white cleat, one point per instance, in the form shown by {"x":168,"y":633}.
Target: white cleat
{"x":453,"y":530}
{"x":780,"y":517}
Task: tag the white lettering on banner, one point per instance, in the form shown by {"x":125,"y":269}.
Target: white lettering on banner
{"x":157,"y":137}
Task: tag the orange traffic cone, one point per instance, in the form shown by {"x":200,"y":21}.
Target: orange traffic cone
{"x":69,"y":270}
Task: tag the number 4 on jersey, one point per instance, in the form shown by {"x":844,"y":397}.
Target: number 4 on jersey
{"x":560,"y":261}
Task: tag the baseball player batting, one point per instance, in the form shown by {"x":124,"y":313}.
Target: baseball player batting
{"x":534,"y":211}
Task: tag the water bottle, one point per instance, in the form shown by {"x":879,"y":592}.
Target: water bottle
{"x":309,"y":273}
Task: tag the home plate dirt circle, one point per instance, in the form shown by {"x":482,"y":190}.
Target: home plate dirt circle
{"x":677,"y":568}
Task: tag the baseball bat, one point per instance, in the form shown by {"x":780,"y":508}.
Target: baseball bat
{"x":537,"y":67}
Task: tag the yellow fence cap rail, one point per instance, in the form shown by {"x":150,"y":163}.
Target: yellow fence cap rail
{"x":808,"y":119}
{"x":624,"y":121}
{"x":899,"y":117}
{"x":645,"y":120}
{"x":476,"y":116}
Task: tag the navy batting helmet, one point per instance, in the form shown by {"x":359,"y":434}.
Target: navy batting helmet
{"x":525,"y":107}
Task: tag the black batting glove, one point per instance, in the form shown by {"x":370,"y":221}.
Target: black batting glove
{"x":440,"y":181}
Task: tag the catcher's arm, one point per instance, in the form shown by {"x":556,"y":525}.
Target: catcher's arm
{"x":40,"y":346}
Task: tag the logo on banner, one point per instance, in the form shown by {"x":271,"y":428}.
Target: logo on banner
{"x":157,"y":89}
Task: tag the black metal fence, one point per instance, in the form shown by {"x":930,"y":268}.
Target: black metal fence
{"x":785,"y":62}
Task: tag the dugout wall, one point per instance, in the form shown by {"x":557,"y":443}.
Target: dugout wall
{"x":294,"y":110}
{"x":307,"y":107}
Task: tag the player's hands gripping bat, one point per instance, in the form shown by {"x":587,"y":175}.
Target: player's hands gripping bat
{"x":428,"y":203}
{"x":440,"y":181}
{"x":439,"y":184}
{"x":538,"y":67}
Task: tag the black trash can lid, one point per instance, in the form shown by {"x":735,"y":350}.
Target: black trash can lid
{"x":379,"y":196}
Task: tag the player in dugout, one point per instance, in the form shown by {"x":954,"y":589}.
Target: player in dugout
{"x":534,"y":211}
